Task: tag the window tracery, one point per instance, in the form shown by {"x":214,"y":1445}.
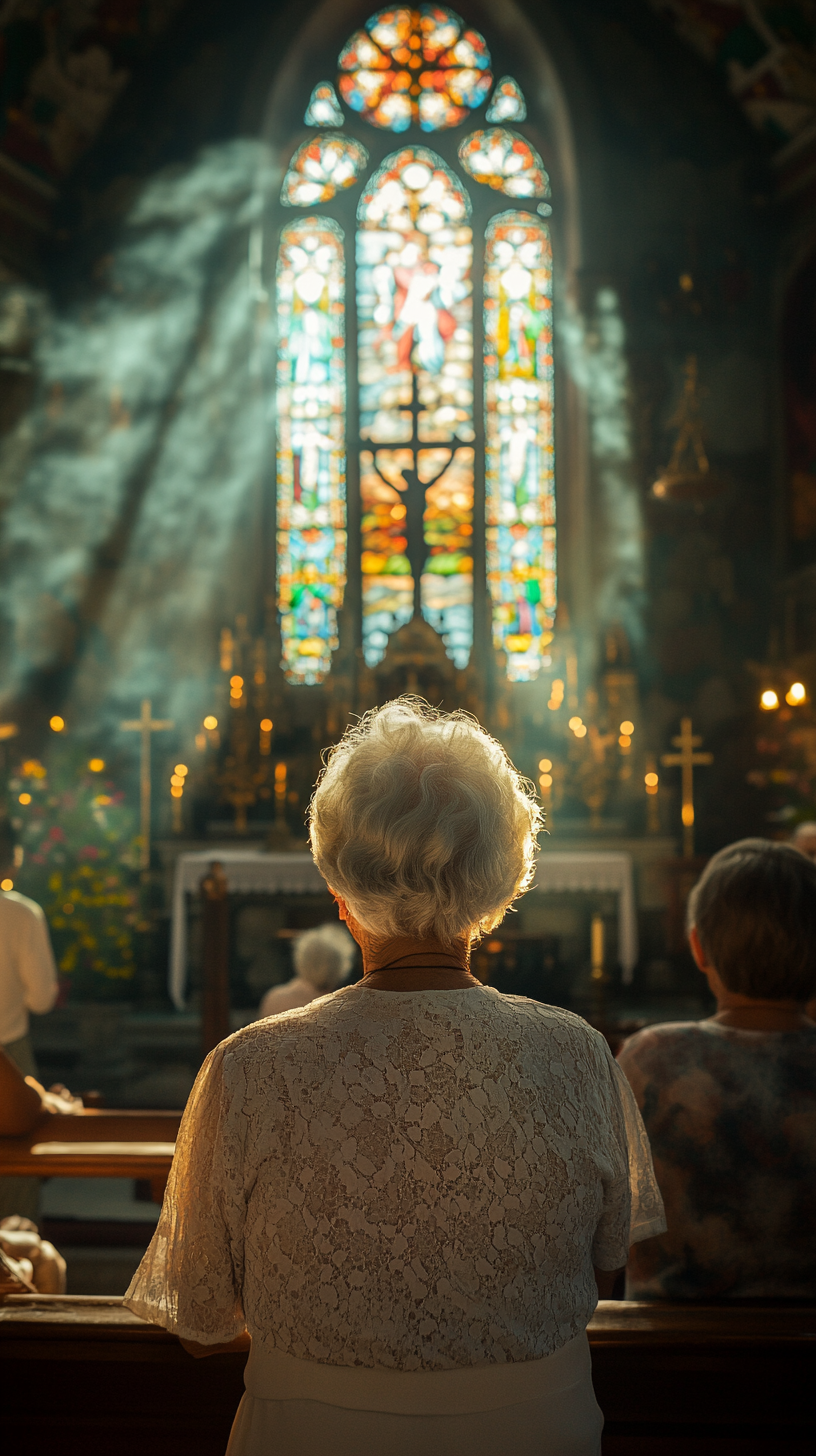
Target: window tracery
{"x":418,"y":446}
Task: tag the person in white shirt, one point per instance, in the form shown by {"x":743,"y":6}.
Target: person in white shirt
{"x":323,"y":959}
{"x":28,"y":982}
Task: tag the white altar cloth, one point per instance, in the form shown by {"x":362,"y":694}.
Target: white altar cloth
{"x":594,"y":870}
{"x":254,"y":871}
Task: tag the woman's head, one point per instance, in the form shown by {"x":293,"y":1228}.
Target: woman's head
{"x":754,"y":910}
{"x":324,"y":956}
{"x":422,"y":824}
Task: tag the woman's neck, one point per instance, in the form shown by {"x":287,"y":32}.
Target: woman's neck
{"x":407,"y":964}
{"x":750,"y":1015}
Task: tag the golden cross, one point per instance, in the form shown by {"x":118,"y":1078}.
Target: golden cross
{"x":687,"y":760}
{"x":145,"y":725}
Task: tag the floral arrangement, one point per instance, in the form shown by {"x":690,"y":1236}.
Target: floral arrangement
{"x":80,"y":863}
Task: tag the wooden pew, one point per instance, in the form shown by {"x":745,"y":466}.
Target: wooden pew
{"x":96,"y":1143}
{"x":85,"y":1376}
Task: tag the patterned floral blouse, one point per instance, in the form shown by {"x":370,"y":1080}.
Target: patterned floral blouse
{"x":731,"y":1116}
{"x":411,"y":1180}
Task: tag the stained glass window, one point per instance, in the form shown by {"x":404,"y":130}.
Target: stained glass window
{"x":507,"y":102}
{"x":311,"y":470}
{"x":506,"y":161}
{"x":519,"y":440}
{"x":419,"y":65}
{"x":321,"y":168}
{"x":415,"y":371}
{"x":324,"y":108}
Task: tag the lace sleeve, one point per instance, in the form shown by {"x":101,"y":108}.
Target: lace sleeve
{"x":633,"y":1207}
{"x":189,"y":1281}
{"x":648,"y":1217}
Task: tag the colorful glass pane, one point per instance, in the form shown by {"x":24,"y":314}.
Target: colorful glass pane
{"x":447,"y":578}
{"x":415,"y":370}
{"x":311,"y":475}
{"x":320,"y":168}
{"x":324,"y":108}
{"x":417,"y":65}
{"x":388,"y":582}
{"x":519,"y":460}
{"x":506,"y":161}
{"x":507,"y":102}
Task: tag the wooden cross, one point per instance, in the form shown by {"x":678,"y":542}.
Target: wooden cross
{"x":687,"y":760}
{"x":146,"y":725}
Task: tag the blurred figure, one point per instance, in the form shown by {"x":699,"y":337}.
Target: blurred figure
{"x":28,"y":982}
{"x":27,"y":1262}
{"x":323,"y":961}
{"x":729,"y":1103}
{"x":804,"y":839}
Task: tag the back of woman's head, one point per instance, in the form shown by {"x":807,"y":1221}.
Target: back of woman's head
{"x":422,"y":824}
{"x":324,"y":956}
{"x":754,"y":908}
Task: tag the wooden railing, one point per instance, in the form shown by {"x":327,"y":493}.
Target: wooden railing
{"x":85,"y":1377}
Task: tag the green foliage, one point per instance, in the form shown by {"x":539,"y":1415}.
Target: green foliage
{"x":80,"y":864}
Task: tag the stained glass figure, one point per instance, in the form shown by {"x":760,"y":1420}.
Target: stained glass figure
{"x":507,"y":102}
{"x":415,"y":369}
{"x":519,"y":460}
{"x":321,"y":168}
{"x":419,"y":65}
{"x":502,"y":159}
{"x":311,"y":405}
{"x":447,"y":578}
{"x":324,"y":108}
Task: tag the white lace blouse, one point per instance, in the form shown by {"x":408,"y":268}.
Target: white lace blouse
{"x":401,"y":1180}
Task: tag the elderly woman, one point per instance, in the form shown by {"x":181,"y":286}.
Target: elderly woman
{"x":323,"y":960}
{"x":399,"y":1192}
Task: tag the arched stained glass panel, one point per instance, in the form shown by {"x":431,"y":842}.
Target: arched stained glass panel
{"x":320,"y":168}
{"x":502,"y":159}
{"x":311,"y":473}
{"x":519,"y":440}
{"x":415,"y":369}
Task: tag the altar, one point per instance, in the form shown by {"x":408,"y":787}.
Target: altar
{"x":258,"y":872}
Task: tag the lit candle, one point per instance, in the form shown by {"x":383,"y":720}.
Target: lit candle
{"x":597,"y":943}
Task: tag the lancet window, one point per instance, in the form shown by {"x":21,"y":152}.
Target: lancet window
{"x":433,"y":296}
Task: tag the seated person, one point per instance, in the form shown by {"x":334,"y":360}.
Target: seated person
{"x":323,"y":960}
{"x":28,"y":1262}
{"x":804,"y":839}
{"x":729,"y":1103}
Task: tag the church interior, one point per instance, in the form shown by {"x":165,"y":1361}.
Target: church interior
{"x":323,"y":380}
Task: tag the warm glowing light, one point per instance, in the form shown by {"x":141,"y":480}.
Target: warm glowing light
{"x":237,"y":683}
{"x":687,"y":815}
{"x":68,"y":909}
{"x":177,"y":780}
{"x":103,"y":799}
{"x":769,"y":700}
{"x":25,"y":799}
{"x":627,"y":727}
{"x":575,"y":723}
{"x":6,"y":884}
{"x":210,"y":723}
{"x":546,"y":781}
{"x":624,"y":740}
{"x":280,"y":773}
{"x":266,"y":725}
{"x":181,"y":769}
{"x":796,"y":694}
{"x":176,"y":791}
{"x":57,"y":723}
{"x":580,"y":732}
{"x":650,"y":780}
{"x":96,"y":765}
{"x":545,"y":764}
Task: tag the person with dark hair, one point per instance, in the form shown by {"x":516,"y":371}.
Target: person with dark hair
{"x":28,"y":982}
{"x":729,"y":1103}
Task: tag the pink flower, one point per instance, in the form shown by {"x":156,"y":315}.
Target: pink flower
{"x":56,"y":833}
{"x":89,"y":851}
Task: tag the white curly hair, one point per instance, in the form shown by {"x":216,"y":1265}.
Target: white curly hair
{"x":423,"y":825}
{"x":324,"y":956}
